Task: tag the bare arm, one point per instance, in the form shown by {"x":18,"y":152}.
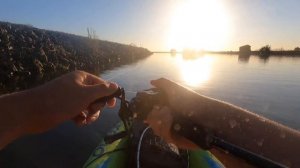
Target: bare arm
{"x":43,"y":108}
{"x":236,"y":125}
{"x":12,"y":116}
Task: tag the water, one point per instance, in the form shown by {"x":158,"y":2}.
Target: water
{"x":269,"y":87}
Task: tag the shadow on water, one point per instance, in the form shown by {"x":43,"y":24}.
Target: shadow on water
{"x":243,"y":58}
{"x":264,"y":59}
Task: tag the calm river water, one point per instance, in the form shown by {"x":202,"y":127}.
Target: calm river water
{"x":269,"y":87}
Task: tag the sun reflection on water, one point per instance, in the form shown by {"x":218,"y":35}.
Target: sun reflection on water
{"x":196,"y":71}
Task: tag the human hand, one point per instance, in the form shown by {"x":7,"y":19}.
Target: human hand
{"x":70,"y":96}
{"x":187,"y":102}
{"x":160,"y":120}
{"x":172,"y":92}
{"x":179,"y":98}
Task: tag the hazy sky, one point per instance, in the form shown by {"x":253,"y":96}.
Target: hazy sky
{"x":149,"y":22}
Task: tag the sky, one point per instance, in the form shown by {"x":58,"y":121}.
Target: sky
{"x":164,"y":24}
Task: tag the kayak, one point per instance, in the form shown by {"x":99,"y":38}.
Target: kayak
{"x":115,"y":155}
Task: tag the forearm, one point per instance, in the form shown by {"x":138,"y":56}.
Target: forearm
{"x":243,"y":128}
{"x":236,"y":125}
{"x":15,"y":108}
{"x":253,"y":132}
{"x":42,"y":108}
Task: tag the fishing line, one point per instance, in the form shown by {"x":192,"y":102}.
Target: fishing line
{"x":139,"y":147}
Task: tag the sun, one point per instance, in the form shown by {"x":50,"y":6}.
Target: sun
{"x":199,"y":24}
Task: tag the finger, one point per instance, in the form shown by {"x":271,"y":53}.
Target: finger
{"x":91,"y":79}
{"x":160,"y":83}
{"x":93,"y":117}
{"x":111,"y":103}
{"x":80,"y":119}
{"x":101,"y":90}
{"x":169,"y":136}
{"x":154,"y":115}
{"x":160,"y":121}
{"x":93,"y":112}
{"x":95,"y":107}
{"x":166,"y":85}
{"x":167,"y":123}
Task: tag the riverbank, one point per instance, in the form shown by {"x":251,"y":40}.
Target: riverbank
{"x":30,"y":56}
{"x":281,"y":53}
{"x":272,"y":53}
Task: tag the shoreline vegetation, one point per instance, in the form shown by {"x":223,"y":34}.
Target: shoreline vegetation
{"x":245,"y":51}
{"x":31,"y":56}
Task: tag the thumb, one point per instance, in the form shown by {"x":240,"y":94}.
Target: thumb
{"x":101,"y":90}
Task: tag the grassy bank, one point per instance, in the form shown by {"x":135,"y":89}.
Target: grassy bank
{"x":30,"y":56}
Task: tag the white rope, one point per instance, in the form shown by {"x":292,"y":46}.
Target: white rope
{"x":139,"y":147}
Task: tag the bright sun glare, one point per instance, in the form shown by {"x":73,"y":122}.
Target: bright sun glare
{"x":199,"y":24}
{"x":195,"y":72}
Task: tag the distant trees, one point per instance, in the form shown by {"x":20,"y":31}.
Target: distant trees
{"x":91,"y":33}
{"x":265,"y":51}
